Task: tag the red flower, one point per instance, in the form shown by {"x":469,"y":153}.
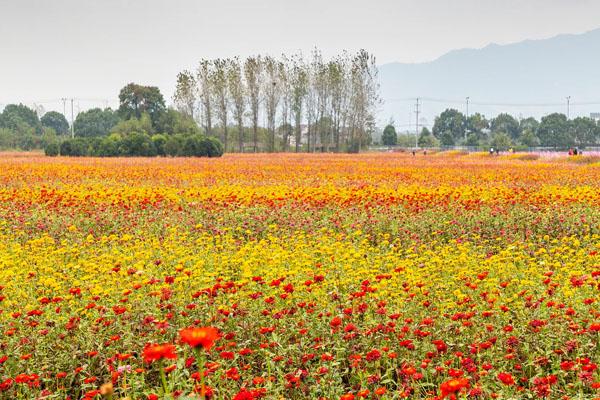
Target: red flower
{"x":195,"y":337}
{"x":453,"y":385}
{"x":155,"y":352}
{"x":506,"y":378}
{"x":244,"y":395}
{"x":373,"y":355}
{"x":567,"y":365}
{"x":335,"y":322}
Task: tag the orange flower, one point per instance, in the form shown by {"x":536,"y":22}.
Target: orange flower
{"x":155,"y":352}
{"x":107,"y":389}
{"x":453,"y":385}
{"x":195,"y":337}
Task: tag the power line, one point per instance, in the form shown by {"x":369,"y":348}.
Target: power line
{"x":483,"y":103}
{"x":105,"y":101}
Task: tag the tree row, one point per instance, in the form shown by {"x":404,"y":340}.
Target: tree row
{"x":303,"y":104}
{"x":453,"y":128}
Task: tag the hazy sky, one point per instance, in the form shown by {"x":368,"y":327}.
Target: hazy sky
{"x":89,"y":49}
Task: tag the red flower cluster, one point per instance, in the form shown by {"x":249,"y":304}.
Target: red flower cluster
{"x":453,"y":386}
{"x":155,"y":352}
{"x":506,"y":378}
{"x":196,"y":337}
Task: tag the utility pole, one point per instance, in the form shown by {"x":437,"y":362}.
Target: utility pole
{"x":467,"y":122}
{"x":417,"y":124}
{"x":72,"y":121}
{"x":568,"y":107}
{"x":468,"y":106}
{"x":64,"y":101}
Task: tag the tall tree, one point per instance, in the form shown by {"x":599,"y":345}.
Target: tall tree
{"x":338,"y":83}
{"x":205,"y":93}
{"x":584,"y":131}
{"x":554,"y":131}
{"x":364,"y":97}
{"x":529,"y":123}
{"x":253,"y":70}
{"x":389,"y":137}
{"x":337,"y":99}
{"x":20,"y":118}
{"x":237,"y":92}
{"x":286,"y":101}
{"x":426,"y":139}
{"x":272,"y":95}
{"x":137,"y":99}
{"x":56,"y":121}
{"x":477,"y":123}
{"x":299,"y":83}
{"x":506,"y":123}
{"x":311,"y":100}
{"x":529,"y":138}
{"x":323,"y":99}
{"x":218,"y":80}
{"x":449,"y":126}
{"x":95,"y":122}
{"x":186,"y":93}
{"x":477,"y":126}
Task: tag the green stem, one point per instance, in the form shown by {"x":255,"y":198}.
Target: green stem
{"x":163,"y":378}
{"x":200,"y":362}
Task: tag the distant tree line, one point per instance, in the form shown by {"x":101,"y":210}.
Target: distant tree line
{"x":142,"y":126}
{"x":21,"y":128}
{"x":453,"y":128}
{"x":305,"y":104}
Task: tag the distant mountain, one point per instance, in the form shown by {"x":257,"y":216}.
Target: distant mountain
{"x":532,"y":77}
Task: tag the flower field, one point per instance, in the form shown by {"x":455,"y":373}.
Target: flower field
{"x":372,"y":276}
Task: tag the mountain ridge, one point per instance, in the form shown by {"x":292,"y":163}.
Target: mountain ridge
{"x":531,"y":71}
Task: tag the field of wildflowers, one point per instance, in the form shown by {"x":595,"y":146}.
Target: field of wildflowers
{"x":373,"y":276}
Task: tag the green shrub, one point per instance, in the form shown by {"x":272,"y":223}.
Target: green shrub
{"x":52,"y":149}
{"x":159,"y":144}
{"x":174,"y":146}
{"x":65,"y":148}
{"x":109,"y":146}
{"x":138,"y":144}
{"x":77,"y":147}
{"x":215,"y":147}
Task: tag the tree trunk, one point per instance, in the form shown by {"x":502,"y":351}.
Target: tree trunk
{"x":298,"y":133}
{"x":241,"y":135}
{"x":255,"y":135}
{"x":208,"y":120}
